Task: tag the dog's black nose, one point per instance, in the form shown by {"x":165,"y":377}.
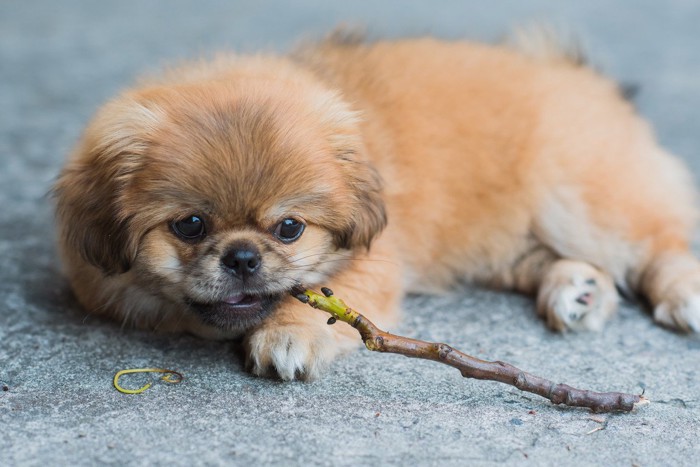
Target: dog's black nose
{"x":243,"y":260}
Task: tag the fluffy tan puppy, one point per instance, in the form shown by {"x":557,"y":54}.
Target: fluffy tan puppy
{"x":197,"y":200}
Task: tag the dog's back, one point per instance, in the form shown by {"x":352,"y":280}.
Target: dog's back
{"x":501,"y":161}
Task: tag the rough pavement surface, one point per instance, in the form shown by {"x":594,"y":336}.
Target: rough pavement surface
{"x":60,"y":60}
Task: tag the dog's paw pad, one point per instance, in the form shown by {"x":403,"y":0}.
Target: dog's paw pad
{"x":585,"y":299}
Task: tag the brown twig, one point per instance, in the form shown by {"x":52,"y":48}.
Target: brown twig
{"x":380,"y":341}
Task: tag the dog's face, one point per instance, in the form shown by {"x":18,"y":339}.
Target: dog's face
{"x":220,"y":198}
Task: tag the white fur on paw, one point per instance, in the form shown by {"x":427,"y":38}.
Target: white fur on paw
{"x":576,"y":296}
{"x":292,"y":351}
{"x":681,"y":311}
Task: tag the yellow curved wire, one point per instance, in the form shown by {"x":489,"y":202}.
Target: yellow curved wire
{"x":170,"y":376}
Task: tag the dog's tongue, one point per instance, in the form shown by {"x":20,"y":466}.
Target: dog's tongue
{"x":235,"y":299}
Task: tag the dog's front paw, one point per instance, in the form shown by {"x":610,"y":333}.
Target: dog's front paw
{"x":293,"y":350}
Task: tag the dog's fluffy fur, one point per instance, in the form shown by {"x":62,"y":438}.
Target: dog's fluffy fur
{"x":412,"y":164}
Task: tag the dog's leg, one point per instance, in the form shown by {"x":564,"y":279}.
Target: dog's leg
{"x":671,"y":282}
{"x":641,"y":241}
{"x":571,"y":295}
{"x":297,"y":343}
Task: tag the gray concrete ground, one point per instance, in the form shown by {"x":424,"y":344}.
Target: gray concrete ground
{"x":59,"y":60}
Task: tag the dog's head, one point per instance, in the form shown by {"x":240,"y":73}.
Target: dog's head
{"x":221,"y":195}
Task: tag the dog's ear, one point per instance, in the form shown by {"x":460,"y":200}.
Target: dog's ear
{"x":368,"y":217}
{"x":93,"y":216}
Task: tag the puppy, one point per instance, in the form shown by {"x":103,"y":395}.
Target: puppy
{"x":199,"y":199}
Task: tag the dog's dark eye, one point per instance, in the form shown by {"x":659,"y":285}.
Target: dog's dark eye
{"x":189,"y":228}
{"x":289,"y":230}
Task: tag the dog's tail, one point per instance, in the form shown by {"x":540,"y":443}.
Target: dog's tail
{"x":546,"y":43}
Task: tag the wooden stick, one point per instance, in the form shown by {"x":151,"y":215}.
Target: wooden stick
{"x":471,"y":367}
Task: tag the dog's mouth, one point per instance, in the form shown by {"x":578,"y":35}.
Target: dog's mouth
{"x":237,"y":311}
{"x":242,"y":301}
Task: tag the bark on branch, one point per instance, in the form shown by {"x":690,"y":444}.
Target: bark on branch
{"x":471,"y":367}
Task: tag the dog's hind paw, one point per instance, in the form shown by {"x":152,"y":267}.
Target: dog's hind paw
{"x":680,"y":310}
{"x":576,"y":296}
